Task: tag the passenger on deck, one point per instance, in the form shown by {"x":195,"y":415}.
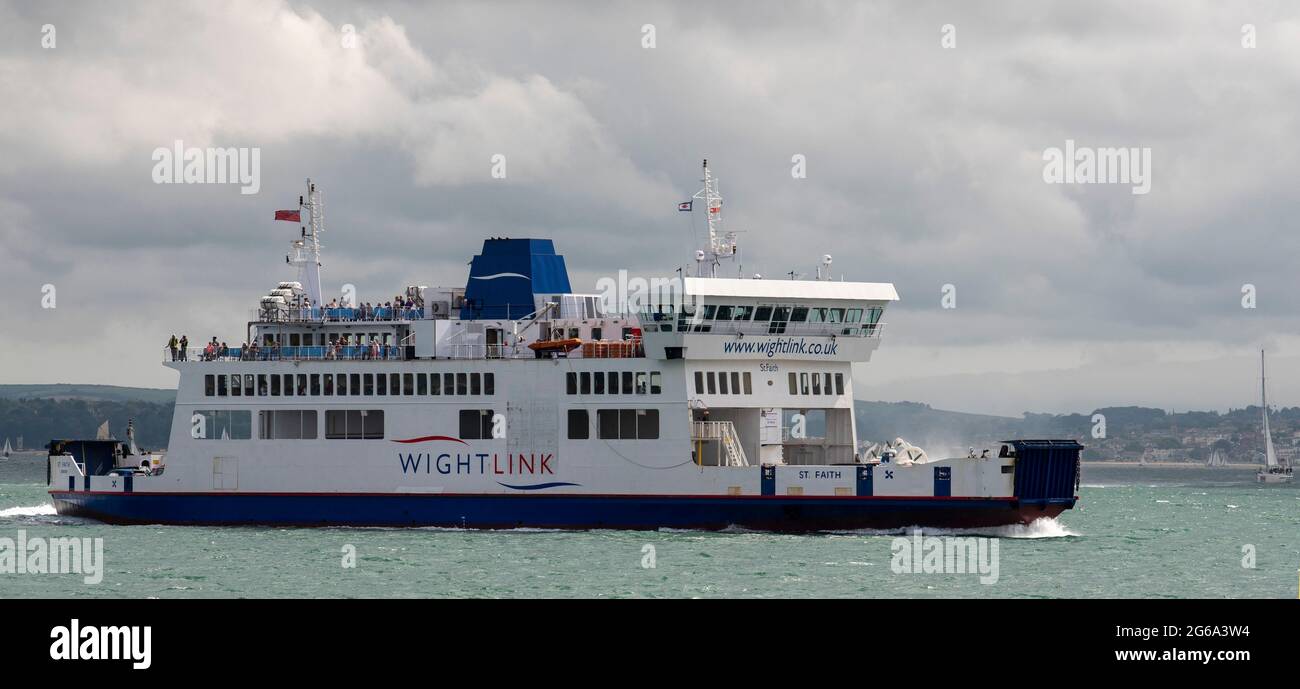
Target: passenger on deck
{"x":225,"y":351}
{"x":172,"y":344}
{"x":185,"y":344}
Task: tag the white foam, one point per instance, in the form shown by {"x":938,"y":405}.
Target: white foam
{"x":35,"y":511}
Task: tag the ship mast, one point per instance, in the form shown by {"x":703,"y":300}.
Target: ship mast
{"x":721,"y":244}
{"x":306,"y":251}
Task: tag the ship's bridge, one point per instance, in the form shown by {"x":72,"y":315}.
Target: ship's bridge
{"x":736,"y":319}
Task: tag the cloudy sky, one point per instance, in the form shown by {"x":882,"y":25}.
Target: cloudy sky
{"x":925,"y":167}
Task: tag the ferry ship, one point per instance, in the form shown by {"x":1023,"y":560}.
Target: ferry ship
{"x":692,"y":402}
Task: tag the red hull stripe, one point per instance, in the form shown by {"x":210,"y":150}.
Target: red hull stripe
{"x":428,"y":438}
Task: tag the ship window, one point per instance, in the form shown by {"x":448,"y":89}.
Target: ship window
{"x":749,"y":387}
{"x":475,"y":384}
{"x":475,"y":424}
{"x":607,"y":423}
{"x":315,"y":384}
{"x":223,"y":424}
{"x":382,"y":384}
{"x":699,"y":382}
{"x":647,"y":424}
{"x":288,"y":384}
{"x":735,"y":382}
{"x":368,"y":384}
{"x":712,"y":378}
{"x":287,"y":424}
{"x":656,"y":382}
{"x":408,"y":383}
{"x":329,"y":384}
{"x":435,"y":384}
{"x":723,"y":388}
{"x":579,"y":427}
{"x":627,"y":382}
{"x":395,"y":383}
{"x":275,"y":385}
{"x":724,"y":312}
{"x":571,"y":383}
{"x":354,"y":383}
{"x":422,"y":384}
{"x":834,"y":315}
{"x":853,"y":316}
{"x":209,"y":385}
{"x":489,"y":384}
{"x":709,"y":311}
{"x":354,"y":424}
{"x":261,"y":385}
{"x":641,"y":379}
{"x":627,"y":424}
{"x":839,"y":383}
{"x":763,"y":313}
{"x":816,"y":383}
{"x":449,"y":383}
{"x":302,"y":384}
{"x":613,"y":382}
{"x":595,"y":334}
{"x":248,"y":385}
{"x":803,"y":383}
{"x":830,"y":389}
{"x":341,"y":381}
{"x":584,"y":383}
{"x":742,"y":313}
{"x":235,"y":388}
{"x":574,"y":333}
{"x":598,"y":383}
{"x":221,"y":386}
{"x":816,"y":315}
{"x":462,"y":384}
{"x":794,"y":384}
{"x":799,"y":314}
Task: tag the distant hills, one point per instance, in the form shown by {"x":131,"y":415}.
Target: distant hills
{"x":39,"y":413}
{"x":94,"y":393}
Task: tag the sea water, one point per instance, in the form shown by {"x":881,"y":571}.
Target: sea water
{"x":1173,"y":532}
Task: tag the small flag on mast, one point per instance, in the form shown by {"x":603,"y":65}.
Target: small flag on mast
{"x":685,"y":205}
{"x":291,"y":216}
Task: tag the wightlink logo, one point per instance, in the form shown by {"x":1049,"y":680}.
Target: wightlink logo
{"x":946,"y":555}
{"x":780,"y":345}
{"x":37,"y":555}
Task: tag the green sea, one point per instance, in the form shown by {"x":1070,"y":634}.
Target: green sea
{"x":1142,"y":532}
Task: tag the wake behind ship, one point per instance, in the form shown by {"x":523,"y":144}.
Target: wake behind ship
{"x":698,"y":402}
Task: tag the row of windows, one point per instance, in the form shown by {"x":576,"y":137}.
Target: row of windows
{"x":613,"y":383}
{"x":816,"y":383}
{"x":615,"y":424}
{"x":288,"y":424}
{"x":723,"y":383}
{"x":334,"y":384}
{"x":777,"y":313}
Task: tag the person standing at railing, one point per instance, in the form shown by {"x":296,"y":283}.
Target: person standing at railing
{"x":185,"y":345}
{"x":172,"y":344}
{"x":225,"y":351}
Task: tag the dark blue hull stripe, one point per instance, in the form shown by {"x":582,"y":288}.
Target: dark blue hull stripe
{"x":549,"y":511}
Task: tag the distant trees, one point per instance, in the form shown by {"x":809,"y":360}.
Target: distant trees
{"x":41,"y":420}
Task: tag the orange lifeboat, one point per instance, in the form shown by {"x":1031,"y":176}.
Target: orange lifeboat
{"x":550,"y":346}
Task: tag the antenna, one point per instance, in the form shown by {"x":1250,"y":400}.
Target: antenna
{"x":721,"y":244}
{"x":306,"y":250}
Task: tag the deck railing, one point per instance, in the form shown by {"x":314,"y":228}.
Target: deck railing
{"x":296,"y":314}
{"x":753,"y":328}
{"x":272,"y":353}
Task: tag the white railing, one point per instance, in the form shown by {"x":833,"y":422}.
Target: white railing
{"x":724,"y":432}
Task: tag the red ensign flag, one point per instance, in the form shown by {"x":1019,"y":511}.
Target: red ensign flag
{"x":291,"y":216}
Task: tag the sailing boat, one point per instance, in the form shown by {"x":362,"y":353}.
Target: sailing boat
{"x":1272,"y":471}
{"x":1217,"y":459}
{"x":8,"y":449}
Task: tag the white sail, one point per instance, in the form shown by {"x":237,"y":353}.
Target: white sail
{"x":8,"y":449}
{"x":1270,"y":457}
{"x":102,"y":433}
